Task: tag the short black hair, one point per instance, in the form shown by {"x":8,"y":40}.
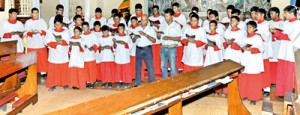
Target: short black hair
{"x":34,"y":9}
{"x":195,"y":9}
{"x":214,"y":12}
{"x":77,"y":28}
{"x":262,"y":11}
{"x":134,"y":18}
{"x":291,"y":9}
{"x":121,"y":25}
{"x":79,"y":7}
{"x":113,"y":11}
{"x":230,"y":7}
{"x":76,"y":17}
{"x":58,"y":18}
{"x":176,"y":4}
{"x":235,"y":17}
{"x":275,"y":9}
{"x":138,"y":6}
{"x":254,"y":9}
{"x":59,"y":6}
{"x":97,"y":23}
{"x":105,"y":28}
{"x":98,"y":9}
{"x":192,"y":13}
{"x":195,"y":16}
{"x":208,"y":10}
{"x":213,"y":22}
{"x":85,"y":23}
{"x":13,"y":10}
{"x":155,"y":6}
{"x":116,"y":15}
{"x":236,"y":11}
{"x":169,"y":11}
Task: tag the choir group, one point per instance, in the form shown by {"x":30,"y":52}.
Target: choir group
{"x":79,"y":52}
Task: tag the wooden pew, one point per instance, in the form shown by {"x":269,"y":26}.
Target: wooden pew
{"x":291,"y":107}
{"x":11,"y":88}
{"x":173,"y":90}
{"x":8,"y":48}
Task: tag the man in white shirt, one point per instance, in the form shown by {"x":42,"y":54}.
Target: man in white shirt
{"x":144,"y":49}
{"x":170,"y":40}
{"x":59,"y":11}
{"x":226,"y":19}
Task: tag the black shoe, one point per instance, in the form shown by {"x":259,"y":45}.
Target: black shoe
{"x":244,"y":99}
{"x":44,"y":76}
{"x":120,"y":85}
{"x":92,"y":85}
{"x":135,"y":85}
{"x":99,"y":81}
{"x":75,"y":88}
{"x":252,"y":103}
{"x":105,"y":85}
{"x":65,"y":87}
{"x":280,"y":98}
{"x":126,"y":86}
{"x":109,"y":85}
{"x":52,"y":88}
{"x":266,"y":94}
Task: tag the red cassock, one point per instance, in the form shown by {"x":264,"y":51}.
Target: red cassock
{"x":286,"y":77}
{"x":58,"y":75}
{"x":98,"y":71}
{"x":273,"y":71}
{"x":132,"y":65}
{"x":250,"y":86}
{"x":156,"y":59}
{"x":90,"y":68}
{"x":124,"y":73}
{"x":266,"y":74}
{"x":42,"y":58}
{"x":77,"y":77}
{"x":107,"y":71}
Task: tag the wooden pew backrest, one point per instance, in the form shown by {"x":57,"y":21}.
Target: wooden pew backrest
{"x":8,"y":48}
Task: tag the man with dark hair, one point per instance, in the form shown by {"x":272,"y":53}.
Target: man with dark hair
{"x":226,"y":19}
{"x":59,"y":11}
{"x":241,"y":24}
{"x":214,"y":15}
{"x":207,"y":20}
{"x":170,"y":39}
{"x":36,"y":28}
{"x":12,"y":29}
{"x":195,"y":10}
{"x":289,"y":43}
{"x":277,"y":24}
{"x":77,"y":22}
{"x":98,"y":17}
{"x":80,"y":12}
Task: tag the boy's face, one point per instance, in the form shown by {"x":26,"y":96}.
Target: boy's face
{"x":60,"y":11}
{"x":13,"y":15}
{"x":138,"y":11}
{"x":287,"y":15}
{"x":121,"y":29}
{"x":97,"y":27}
{"x":168,"y":17}
{"x":105,"y":33}
{"x":194,"y":21}
{"x":175,"y":9}
{"x":98,"y":14}
{"x":212,"y":27}
{"x":250,"y":29}
{"x":85,"y":28}
{"x":229,"y":12}
{"x":78,"y":11}
{"x":155,"y":11}
{"x":273,"y":15}
{"x":253,"y":15}
{"x":234,"y":22}
{"x":134,"y":22}
{"x":212,"y":17}
{"x":78,"y":21}
{"x":259,"y":16}
{"x":35,"y":14}
{"x":117,"y":19}
{"x":77,"y":32}
{"x":57,"y":25}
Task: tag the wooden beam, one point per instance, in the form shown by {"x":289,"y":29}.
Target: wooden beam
{"x":7,"y":48}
